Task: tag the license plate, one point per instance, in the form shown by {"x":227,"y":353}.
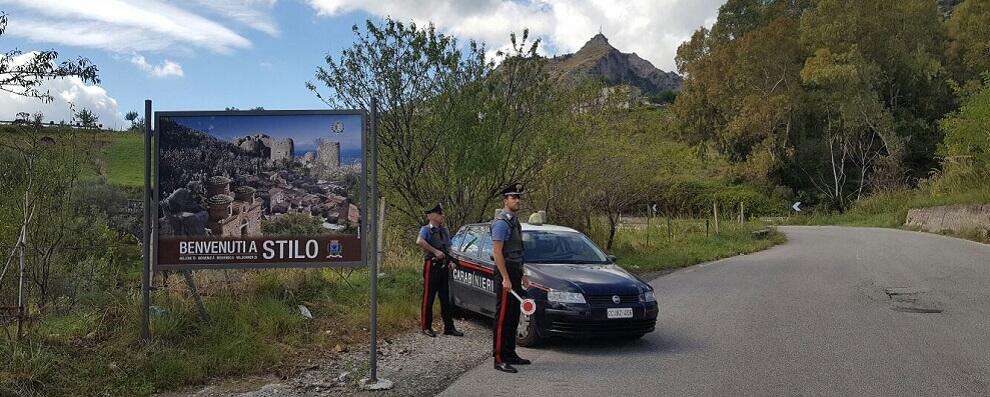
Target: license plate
{"x":622,"y":312}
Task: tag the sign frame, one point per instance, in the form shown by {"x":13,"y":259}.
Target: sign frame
{"x":367,"y":178}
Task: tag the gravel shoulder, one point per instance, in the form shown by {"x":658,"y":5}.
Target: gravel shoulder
{"x":417,"y":365}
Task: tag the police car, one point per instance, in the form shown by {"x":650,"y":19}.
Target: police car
{"x":579,"y":290}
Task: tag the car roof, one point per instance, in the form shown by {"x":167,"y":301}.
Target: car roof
{"x":530,"y":227}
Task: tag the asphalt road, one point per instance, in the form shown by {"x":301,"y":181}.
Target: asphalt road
{"x":834,"y":311}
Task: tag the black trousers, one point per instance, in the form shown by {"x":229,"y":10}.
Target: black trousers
{"x":507,"y":315}
{"x":435,"y":283}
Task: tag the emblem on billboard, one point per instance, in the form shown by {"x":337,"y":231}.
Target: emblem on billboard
{"x":338,"y":127}
{"x":334,"y":248}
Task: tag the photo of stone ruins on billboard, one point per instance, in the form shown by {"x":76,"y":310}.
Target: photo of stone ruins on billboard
{"x":269,"y":188}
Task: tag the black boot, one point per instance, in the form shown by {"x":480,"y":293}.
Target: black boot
{"x":506,"y":367}
{"x":452,"y":331}
{"x":519,"y":361}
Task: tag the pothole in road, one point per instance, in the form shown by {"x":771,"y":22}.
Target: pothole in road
{"x":904,"y":299}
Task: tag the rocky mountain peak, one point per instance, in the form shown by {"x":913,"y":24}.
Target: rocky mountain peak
{"x":599,"y":60}
{"x":599,"y":41}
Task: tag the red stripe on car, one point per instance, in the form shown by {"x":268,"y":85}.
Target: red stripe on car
{"x":472,"y":266}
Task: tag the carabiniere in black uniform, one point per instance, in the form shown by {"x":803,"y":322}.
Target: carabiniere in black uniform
{"x":435,"y":276}
{"x":507,"y":306}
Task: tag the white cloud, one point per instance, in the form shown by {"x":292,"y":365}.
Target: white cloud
{"x":651,"y":28}
{"x":64,"y":91}
{"x":255,"y":14}
{"x":120,"y":26}
{"x":166,"y":69}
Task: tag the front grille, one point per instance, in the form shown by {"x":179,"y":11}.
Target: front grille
{"x":607,"y":299}
{"x":604,"y":327}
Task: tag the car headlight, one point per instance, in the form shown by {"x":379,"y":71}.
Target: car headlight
{"x":565,"y":297}
{"x":649,"y":296}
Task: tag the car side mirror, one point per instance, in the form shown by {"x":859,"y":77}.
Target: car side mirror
{"x":612,"y":258}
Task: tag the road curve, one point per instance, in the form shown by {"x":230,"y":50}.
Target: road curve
{"x":834,"y":311}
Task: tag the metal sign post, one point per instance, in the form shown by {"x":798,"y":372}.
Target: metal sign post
{"x":373,"y":382}
{"x":146,"y":243}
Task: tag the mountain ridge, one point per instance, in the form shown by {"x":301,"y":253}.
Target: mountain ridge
{"x":598,"y":59}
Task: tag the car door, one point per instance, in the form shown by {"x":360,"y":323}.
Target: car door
{"x":485,"y":259}
{"x":473,"y":277}
{"x":458,"y":290}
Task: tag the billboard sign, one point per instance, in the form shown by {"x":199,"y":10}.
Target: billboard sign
{"x":259,"y":189}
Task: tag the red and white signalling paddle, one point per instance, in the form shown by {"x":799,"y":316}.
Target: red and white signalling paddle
{"x":526,"y":306}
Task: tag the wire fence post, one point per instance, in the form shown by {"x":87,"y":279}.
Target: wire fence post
{"x":715,"y":215}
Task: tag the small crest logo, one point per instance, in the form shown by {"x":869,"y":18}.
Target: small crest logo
{"x":616,"y":299}
{"x":335,"y":249}
{"x":338,"y":127}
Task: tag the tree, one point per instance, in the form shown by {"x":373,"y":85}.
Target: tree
{"x":22,"y":75}
{"x":502,"y":128}
{"x":39,"y":172}
{"x":86,"y":118}
{"x":836,"y":96}
{"x":969,"y":46}
{"x":858,"y":128}
{"x":131,"y":116}
{"x":898,"y":47}
{"x":965,"y":151}
{"x":743,"y":91}
{"x":137,"y":123}
{"x":452,"y":127}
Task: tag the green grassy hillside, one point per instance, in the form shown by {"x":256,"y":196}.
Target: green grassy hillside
{"x":123,"y":154}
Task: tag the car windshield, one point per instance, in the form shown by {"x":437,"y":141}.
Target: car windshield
{"x":561,"y":247}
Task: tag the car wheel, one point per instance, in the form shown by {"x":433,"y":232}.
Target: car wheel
{"x":527,"y":334}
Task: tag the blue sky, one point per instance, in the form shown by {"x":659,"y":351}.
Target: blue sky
{"x":303,"y":129}
{"x":211,"y":54}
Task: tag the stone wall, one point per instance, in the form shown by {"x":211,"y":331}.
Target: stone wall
{"x":956,"y":218}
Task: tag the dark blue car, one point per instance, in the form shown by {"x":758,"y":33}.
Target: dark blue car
{"x":578,"y":289}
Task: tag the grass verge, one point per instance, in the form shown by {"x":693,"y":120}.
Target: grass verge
{"x":688,"y":244}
